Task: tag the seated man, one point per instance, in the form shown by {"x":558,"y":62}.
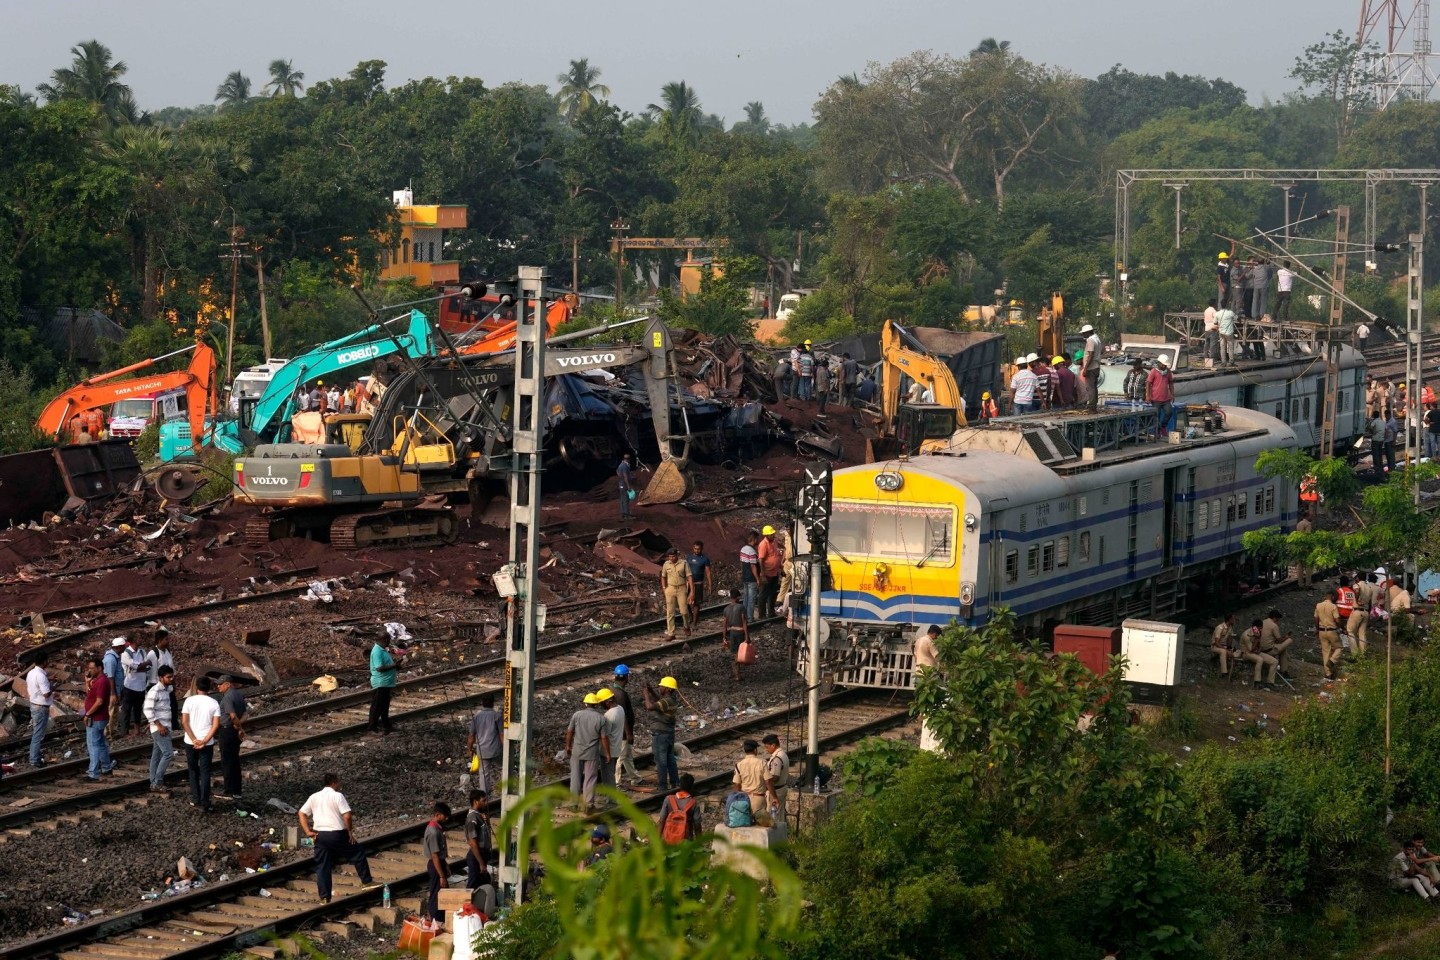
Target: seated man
{"x":1405,"y":875}
{"x":1424,"y":860}
{"x":1250,"y":651}
{"x":1276,"y":644}
{"x":1222,"y":642}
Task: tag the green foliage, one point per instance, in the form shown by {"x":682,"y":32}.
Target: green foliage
{"x":875,"y":763}
{"x":649,"y":900}
{"x":722,"y":304}
{"x":1067,"y":832}
{"x":19,"y":406}
{"x":147,"y":445}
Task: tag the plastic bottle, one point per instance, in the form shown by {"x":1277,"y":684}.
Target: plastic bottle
{"x":385,"y":897}
{"x":817,"y":786}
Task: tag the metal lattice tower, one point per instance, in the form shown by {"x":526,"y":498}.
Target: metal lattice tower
{"x":1404,"y":74}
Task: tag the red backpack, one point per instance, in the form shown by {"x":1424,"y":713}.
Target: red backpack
{"x":675,"y":828}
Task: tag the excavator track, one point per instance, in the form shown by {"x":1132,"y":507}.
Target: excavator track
{"x":411,"y":526}
{"x":261,"y":530}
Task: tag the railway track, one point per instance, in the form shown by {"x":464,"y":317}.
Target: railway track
{"x":223,"y":917}
{"x":49,"y":797}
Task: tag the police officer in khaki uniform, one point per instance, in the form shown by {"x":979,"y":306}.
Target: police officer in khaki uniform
{"x":675,"y":582}
{"x":1327,"y":627}
{"x":1358,"y":626}
{"x":777,"y":774}
{"x":1276,"y":643}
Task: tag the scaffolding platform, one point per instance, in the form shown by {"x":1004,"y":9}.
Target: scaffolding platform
{"x":1118,"y":424}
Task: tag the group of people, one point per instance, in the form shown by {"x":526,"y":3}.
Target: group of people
{"x":803,"y":376}
{"x":600,"y":738}
{"x":357,"y":396}
{"x":1264,"y":643}
{"x":131,"y":690}
{"x":1389,"y":411}
{"x":1342,"y":621}
{"x":1057,"y":385}
{"x":1243,"y":286}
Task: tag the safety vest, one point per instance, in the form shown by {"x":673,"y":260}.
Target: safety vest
{"x":988,"y":410}
{"x":1308,"y":491}
{"x":1345,"y":600}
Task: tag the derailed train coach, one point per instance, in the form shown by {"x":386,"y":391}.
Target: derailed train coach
{"x":1059,"y":518}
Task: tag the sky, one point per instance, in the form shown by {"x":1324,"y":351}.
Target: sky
{"x":783,"y":53}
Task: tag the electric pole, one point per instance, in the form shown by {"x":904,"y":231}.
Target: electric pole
{"x":518,"y":581}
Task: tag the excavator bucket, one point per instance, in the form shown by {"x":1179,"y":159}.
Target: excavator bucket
{"x":669,"y":484}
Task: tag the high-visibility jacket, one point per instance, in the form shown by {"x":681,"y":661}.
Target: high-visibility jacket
{"x":1345,"y":600}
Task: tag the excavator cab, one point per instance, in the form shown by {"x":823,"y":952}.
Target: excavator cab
{"x":915,"y":425}
{"x":421,"y":445}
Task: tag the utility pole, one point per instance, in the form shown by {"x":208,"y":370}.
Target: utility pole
{"x":518,"y":581}
{"x":1177,"y":187}
{"x":619,"y":227}
{"x":234,"y":257}
{"x":264,"y":317}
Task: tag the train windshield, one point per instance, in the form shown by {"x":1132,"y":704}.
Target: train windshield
{"x":143,"y":408}
{"x":904,"y":532}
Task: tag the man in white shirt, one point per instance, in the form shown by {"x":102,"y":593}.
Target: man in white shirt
{"x":160,"y":714}
{"x":200,"y":718}
{"x":1285,"y":283}
{"x":1022,"y":387}
{"x":37,"y":689}
{"x":1225,"y":321}
{"x":1212,"y":335}
{"x":326,"y":819}
{"x":1090,"y":366}
{"x":1362,"y":335}
{"x":132,"y":692}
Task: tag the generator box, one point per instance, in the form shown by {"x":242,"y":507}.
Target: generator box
{"x":1153,"y":652}
{"x":1094,"y":646}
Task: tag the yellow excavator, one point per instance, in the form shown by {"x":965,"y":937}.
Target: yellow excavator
{"x":911,"y":425}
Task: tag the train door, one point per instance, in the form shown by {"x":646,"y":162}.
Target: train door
{"x":1176,"y":512}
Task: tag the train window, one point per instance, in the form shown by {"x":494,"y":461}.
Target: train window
{"x":1102,"y":549}
{"x":1307,"y":407}
{"x":1105,"y":497}
{"x":1344,"y":400}
{"x":1278,"y":414}
{"x":900,"y":532}
{"x":1012,"y":566}
{"x":1215,"y":514}
{"x":1082,"y":505}
{"x":1259,"y":502}
{"x":1032,"y":562}
{"x":1062,"y":552}
{"x":1047,"y":556}
{"x":1085,"y":547}
{"x":1294,"y":410}
{"x":1241,"y":503}
{"x":1145,"y":489}
{"x":1202,"y":515}
{"x":1230,"y":509}
{"x":1269,"y":499}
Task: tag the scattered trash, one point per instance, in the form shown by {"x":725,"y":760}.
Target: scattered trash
{"x":282,"y":806}
{"x":184,"y":869}
{"x":325,"y":684}
{"x":319,"y":590}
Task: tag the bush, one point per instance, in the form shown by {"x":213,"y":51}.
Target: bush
{"x":19,"y":407}
{"x":147,"y":445}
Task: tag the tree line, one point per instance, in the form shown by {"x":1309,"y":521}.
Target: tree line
{"x":923,"y":186}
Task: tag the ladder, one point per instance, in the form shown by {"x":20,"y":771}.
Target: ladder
{"x":1332,"y":336}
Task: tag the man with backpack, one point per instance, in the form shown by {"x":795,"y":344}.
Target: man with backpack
{"x":680,"y":813}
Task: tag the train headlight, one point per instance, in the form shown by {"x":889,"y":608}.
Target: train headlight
{"x":889,"y":482}
{"x":971,"y":522}
{"x":967,"y":594}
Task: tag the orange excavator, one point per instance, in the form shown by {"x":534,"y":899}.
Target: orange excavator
{"x":86,"y":399}
{"x":502,"y":337}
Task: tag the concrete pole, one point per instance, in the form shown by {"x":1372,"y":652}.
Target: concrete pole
{"x":812,"y":670}
{"x":523,"y":634}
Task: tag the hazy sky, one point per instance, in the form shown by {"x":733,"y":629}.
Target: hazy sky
{"x":781,"y":52}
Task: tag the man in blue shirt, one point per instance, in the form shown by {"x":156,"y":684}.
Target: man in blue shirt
{"x":382,"y":682}
{"x":697,"y":570}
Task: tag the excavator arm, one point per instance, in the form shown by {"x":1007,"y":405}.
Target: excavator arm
{"x":668,"y":484}
{"x":503,"y":337}
{"x":904,"y":356}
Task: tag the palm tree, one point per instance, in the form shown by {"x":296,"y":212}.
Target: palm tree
{"x":284,"y":79}
{"x":678,"y":110}
{"x":990,"y":45}
{"x":93,"y":76}
{"x":14,"y":96}
{"x":579,"y":89}
{"x":234,"y":92}
{"x":755,"y":120}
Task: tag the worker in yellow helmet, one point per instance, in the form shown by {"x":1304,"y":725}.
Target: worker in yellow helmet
{"x":661,"y":704}
{"x":988,"y":409}
{"x":771,"y":555}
